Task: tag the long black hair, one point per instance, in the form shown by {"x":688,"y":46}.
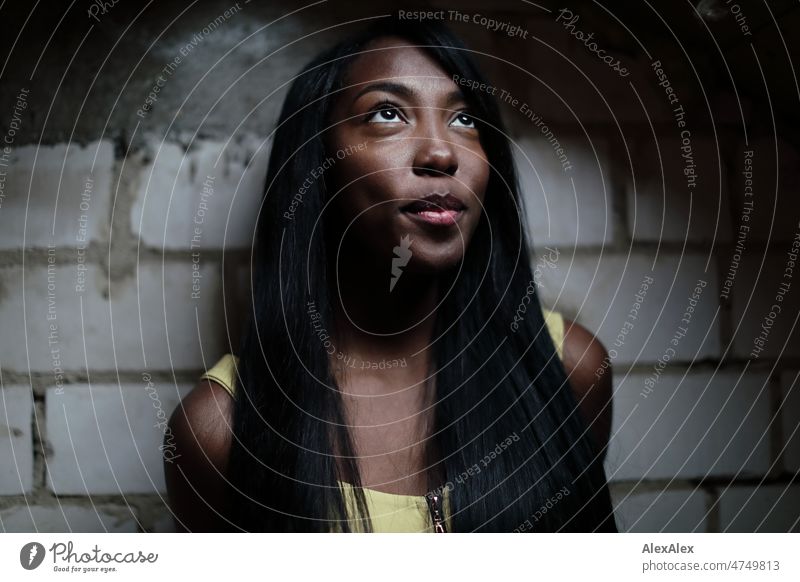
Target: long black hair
{"x":496,"y":388}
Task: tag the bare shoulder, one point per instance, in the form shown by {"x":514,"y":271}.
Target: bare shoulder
{"x":202,"y":422}
{"x":586,"y":363}
{"x":201,"y":431}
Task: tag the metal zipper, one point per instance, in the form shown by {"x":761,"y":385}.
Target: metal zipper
{"x":436,"y":512}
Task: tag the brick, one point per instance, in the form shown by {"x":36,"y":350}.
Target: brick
{"x":16,"y":440}
{"x":773,"y":508}
{"x":754,"y":292}
{"x":155,"y":516}
{"x":661,"y":205}
{"x":661,"y":511}
{"x":184,"y":199}
{"x":597,"y":94}
{"x":775,"y":179}
{"x":556,"y":214}
{"x":599,"y":293}
{"x":165,"y":524}
{"x":692,"y":428}
{"x":108,"y":439}
{"x":790,"y":420}
{"x":138,"y":307}
{"x":57,"y":178}
{"x":567,"y":83}
{"x":68,"y":518}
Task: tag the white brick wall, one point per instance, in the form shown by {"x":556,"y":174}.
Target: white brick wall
{"x":568,"y":85}
{"x":699,"y":426}
{"x":99,"y":468}
{"x":45,"y":201}
{"x":774,"y":215}
{"x":661,"y":511}
{"x":156,"y":321}
{"x":166,"y":524}
{"x":791,"y":419}
{"x":754,"y":292}
{"x":108,"y":439}
{"x":68,"y":517}
{"x":173,"y":210}
{"x":661,"y":205}
{"x":599,"y":293}
{"x":16,"y":441}
{"x":774,"y":508}
{"x":566,"y":208}
{"x":107,"y":443}
{"x":111,"y":427}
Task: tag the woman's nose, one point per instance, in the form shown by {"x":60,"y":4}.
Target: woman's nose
{"x":435,"y":155}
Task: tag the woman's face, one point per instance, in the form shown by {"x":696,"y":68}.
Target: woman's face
{"x":399,"y":134}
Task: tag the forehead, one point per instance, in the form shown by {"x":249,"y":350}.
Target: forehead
{"x":397,"y":59}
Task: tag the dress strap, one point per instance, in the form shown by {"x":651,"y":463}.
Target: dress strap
{"x":224,"y":373}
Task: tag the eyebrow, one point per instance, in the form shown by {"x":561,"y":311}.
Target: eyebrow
{"x":405,"y":91}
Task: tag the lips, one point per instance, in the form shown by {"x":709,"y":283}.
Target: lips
{"x":436,"y":209}
{"x":435,"y":203}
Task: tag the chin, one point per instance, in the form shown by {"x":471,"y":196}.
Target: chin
{"x":433,"y":261}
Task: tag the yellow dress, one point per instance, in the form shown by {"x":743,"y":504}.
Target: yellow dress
{"x":389,"y":512}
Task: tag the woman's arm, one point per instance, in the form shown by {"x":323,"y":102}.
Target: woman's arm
{"x":585,"y":361}
{"x":200,"y":430}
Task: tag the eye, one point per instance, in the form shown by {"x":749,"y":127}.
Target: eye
{"x":465,"y":120}
{"x":384,"y":112}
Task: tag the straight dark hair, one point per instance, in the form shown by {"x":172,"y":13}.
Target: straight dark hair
{"x":492,"y":382}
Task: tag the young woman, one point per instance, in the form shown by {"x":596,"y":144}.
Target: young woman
{"x":397,"y":372}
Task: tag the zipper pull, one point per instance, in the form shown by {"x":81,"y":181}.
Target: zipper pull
{"x":436,"y":512}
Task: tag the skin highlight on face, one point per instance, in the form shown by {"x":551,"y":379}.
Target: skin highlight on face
{"x":420,"y":140}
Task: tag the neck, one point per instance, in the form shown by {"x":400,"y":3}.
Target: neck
{"x":383,"y":364}
{"x":381,"y":332}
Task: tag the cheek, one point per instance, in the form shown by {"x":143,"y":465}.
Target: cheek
{"x":346,"y":181}
{"x":359,"y":206}
{"x":368,"y":178}
{"x":484,"y":180}
{"x":478,"y":178}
